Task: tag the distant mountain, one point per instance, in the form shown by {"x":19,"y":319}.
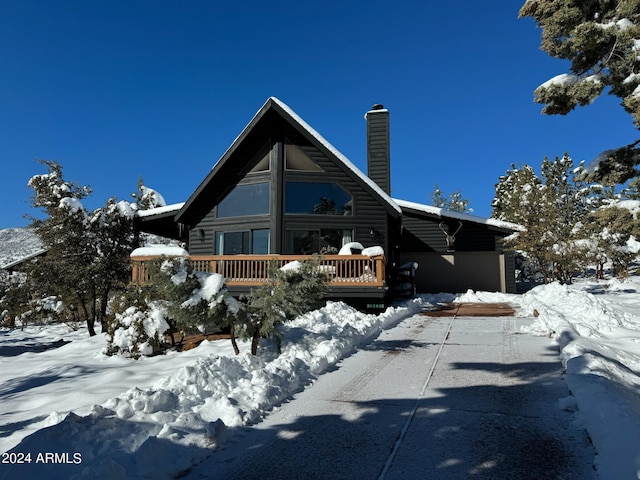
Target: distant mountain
{"x":17,"y":244}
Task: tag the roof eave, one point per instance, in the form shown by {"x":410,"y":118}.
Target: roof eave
{"x":328,"y":149}
{"x":220,"y":163}
{"x":435,"y":212}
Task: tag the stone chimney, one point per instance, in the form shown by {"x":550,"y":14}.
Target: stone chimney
{"x":378,"y":157}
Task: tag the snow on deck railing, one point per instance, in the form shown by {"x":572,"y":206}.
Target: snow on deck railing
{"x":252,"y":270}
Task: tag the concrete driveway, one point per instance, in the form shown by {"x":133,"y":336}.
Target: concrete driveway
{"x":432,"y":398}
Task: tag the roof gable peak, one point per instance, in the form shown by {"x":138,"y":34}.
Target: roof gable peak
{"x":282,"y":109}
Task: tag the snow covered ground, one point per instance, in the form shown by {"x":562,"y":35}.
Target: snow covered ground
{"x":76,"y":413}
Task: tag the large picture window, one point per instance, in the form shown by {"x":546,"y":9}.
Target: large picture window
{"x":245,"y":199}
{"x":323,"y":240}
{"x":317,"y":199}
{"x":243,"y":242}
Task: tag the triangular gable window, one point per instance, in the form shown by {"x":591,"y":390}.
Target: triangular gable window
{"x":262,"y":158}
{"x":297,"y":159}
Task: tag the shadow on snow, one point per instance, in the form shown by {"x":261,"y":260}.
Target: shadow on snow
{"x":456,"y":432}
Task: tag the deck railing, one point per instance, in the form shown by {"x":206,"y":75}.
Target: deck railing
{"x":251,"y":270}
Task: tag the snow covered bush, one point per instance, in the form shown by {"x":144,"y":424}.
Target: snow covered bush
{"x":137,"y":331}
{"x":18,"y":304}
{"x":616,"y":228}
{"x":14,"y":298}
{"x":194,"y":301}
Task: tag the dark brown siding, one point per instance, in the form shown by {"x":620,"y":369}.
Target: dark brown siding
{"x":378,"y":154}
{"x":476,"y":261}
{"x":423,"y":234}
{"x":458,"y":272}
{"x":368,"y":213}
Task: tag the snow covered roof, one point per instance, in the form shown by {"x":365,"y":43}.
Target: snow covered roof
{"x":444,"y":213}
{"x":374,"y":186}
{"x":284,"y":110}
{"x":17,"y":245}
{"x":394,"y":204}
{"x":159,"y":250}
{"x":150,"y":212}
{"x":15,"y":263}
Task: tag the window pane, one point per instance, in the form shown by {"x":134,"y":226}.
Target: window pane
{"x":331,"y":240}
{"x":248,"y":199}
{"x":296,"y":159}
{"x":326,"y":240}
{"x":260,"y":241}
{"x":243,"y":242}
{"x":235,"y":243}
{"x":302,"y":241}
{"x":317,"y":199}
{"x":263,"y":163}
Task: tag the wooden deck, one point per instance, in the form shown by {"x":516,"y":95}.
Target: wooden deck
{"x":469,"y":309}
{"x":252,"y":270}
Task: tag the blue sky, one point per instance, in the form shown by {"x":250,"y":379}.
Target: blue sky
{"x":117,"y":90}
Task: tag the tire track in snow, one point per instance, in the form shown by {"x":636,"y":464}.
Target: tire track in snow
{"x":410,"y":417}
{"x":392,"y":349}
{"x":509,"y":342}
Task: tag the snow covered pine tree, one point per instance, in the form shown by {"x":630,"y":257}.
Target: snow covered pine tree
{"x":601,"y":40}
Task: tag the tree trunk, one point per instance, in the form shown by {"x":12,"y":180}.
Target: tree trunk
{"x":94,"y":307}
{"x":91,"y":326}
{"x":104,"y":301}
{"x":255,"y":341}
{"x":600,"y":271}
{"x":87,"y":315}
{"x":234,"y":343}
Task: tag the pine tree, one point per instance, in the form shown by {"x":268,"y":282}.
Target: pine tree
{"x":186,"y":300}
{"x":455,"y":202}
{"x":14,"y":295}
{"x":519,"y":199}
{"x":632,"y":190}
{"x":194,"y":300}
{"x":552,"y":208}
{"x":598,"y":37}
{"x":438,"y":198}
{"x":567,"y":209}
{"x":615,"y":231}
{"x":87,"y":252}
{"x":287,"y":294}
